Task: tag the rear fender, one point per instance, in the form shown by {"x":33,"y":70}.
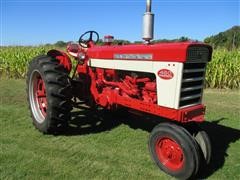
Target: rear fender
{"x":62,"y":57}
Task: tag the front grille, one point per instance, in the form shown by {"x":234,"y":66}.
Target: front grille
{"x":192,"y":84}
{"x":194,"y":75}
{"x":198,"y":53}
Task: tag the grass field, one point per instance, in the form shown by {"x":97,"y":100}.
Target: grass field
{"x":100,"y":147}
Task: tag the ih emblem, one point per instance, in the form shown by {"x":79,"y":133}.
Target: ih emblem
{"x":165,"y":74}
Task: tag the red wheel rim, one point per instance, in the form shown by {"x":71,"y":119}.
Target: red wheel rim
{"x":40,"y":95}
{"x":169,"y":153}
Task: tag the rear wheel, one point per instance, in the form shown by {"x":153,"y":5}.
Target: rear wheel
{"x":48,"y":92}
{"x":174,"y":150}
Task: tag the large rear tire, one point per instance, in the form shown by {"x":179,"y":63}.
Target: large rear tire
{"x":174,"y":150}
{"x":48,"y":94}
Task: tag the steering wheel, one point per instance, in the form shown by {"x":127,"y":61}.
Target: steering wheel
{"x":85,"y":42}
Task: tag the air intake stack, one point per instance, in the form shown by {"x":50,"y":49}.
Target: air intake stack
{"x":148,"y":23}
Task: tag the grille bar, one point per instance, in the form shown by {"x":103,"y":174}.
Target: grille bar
{"x":191,"y":97}
{"x":192,"y":79}
{"x":193,"y":70}
{"x":191,"y":88}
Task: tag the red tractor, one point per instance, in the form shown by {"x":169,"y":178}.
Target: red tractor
{"x":163,"y":79}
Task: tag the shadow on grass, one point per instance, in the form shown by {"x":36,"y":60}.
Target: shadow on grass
{"x":89,"y":122}
{"x":86,"y":121}
{"x":221,"y":137}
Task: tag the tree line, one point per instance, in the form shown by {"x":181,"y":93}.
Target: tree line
{"x":229,"y":39}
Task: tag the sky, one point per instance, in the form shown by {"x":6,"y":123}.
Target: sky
{"x":35,"y":22}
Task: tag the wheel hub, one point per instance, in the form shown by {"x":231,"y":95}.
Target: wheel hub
{"x":169,"y":153}
{"x":38,"y":96}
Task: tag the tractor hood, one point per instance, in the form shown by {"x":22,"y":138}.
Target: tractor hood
{"x":175,"y":52}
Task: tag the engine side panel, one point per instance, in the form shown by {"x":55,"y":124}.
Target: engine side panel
{"x":168,"y":76}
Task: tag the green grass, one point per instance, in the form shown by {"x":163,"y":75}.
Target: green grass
{"x":105,"y":148}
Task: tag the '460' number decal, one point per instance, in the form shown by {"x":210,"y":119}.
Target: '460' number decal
{"x":165,"y":74}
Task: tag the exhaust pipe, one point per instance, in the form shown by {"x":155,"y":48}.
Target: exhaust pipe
{"x":148,"y":23}
{"x":149,"y":6}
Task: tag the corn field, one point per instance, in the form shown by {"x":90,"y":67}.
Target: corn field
{"x":14,"y":60}
{"x":222,"y":72}
{"x":224,"y":69}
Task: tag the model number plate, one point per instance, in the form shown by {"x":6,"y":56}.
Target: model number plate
{"x":165,"y":74}
{"x":133,"y":56}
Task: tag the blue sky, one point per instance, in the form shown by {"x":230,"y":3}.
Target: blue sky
{"x":34,"y":22}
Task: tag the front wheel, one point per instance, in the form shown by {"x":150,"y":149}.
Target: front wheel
{"x":203,"y":141}
{"x":174,"y":150}
{"x":48,"y":95}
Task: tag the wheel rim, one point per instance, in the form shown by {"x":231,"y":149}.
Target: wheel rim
{"x":38,"y":96}
{"x":169,"y":153}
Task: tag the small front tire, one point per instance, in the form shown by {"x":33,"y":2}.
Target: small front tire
{"x":174,"y":150}
{"x":203,"y":140}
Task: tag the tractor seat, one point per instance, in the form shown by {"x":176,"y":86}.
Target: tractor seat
{"x":73,"y":49}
